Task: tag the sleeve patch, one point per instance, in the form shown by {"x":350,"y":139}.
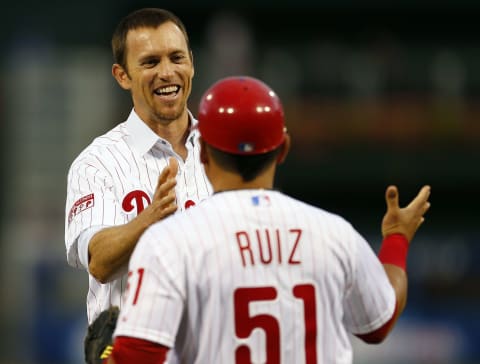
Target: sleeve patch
{"x":82,"y":204}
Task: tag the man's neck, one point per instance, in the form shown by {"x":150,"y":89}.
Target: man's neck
{"x":175,"y":132}
{"x":228,"y":181}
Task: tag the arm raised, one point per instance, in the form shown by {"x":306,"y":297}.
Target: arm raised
{"x":110,"y":248}
{"x":399,"y":226}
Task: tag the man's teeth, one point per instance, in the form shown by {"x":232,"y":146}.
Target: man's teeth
{"x":167,"y":90}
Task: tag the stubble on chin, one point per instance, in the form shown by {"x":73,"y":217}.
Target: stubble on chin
{"x":172,"y":115}
{"x":167,"y":112}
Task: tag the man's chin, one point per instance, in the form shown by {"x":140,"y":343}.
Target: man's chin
{"x":169,"y":116}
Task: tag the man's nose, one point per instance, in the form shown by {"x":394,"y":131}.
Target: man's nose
{"x":165,"y":69}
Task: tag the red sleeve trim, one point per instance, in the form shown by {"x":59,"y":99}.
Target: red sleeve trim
{"x":127,"y":350}
{"x":377,"y":336}
{"x":394,"y":251}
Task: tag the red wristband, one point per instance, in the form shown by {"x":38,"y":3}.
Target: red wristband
{"x":394,"y":250}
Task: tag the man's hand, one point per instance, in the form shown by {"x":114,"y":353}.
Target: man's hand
{"x":110,"y":248}
{"x":164,"y":199}
{"x":408,"y":219}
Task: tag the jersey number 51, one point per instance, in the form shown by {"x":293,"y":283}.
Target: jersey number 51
{"x":245,"y":324}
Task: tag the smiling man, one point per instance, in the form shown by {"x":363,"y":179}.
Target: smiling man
{"x":145,"y":168}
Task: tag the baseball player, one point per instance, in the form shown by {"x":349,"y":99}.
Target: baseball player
{"x":252,"y":275}
{"x":145,"y":168}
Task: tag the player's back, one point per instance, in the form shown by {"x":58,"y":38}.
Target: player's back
{"x":268,"y":272}
{"x":263,"y":276}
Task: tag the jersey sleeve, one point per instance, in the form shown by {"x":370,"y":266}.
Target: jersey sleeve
{"x":128,"y":350}
{"x":90,"y":202}
{"x":370,"y":300}
{"x":155,"y":298}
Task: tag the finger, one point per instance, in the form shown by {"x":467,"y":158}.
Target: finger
{"x":168,"y":198}
{"x":170,"y":170}
{"x":426,"y":207}
{"x":168,"y":185}
{"x":169,"y":203}
{"x":164,"y":175}
{"x":165,"y":188}
{"x":167,"y":211}
{"x":391,"y":197}
{"x":420,"y":222}
{"x":421,"y":198}
{"x":168,"y":174}
{"x":173,"y":166}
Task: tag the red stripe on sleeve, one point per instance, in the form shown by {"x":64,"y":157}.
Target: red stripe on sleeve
{"x":127,"y":350}
{"x":377,"y":336}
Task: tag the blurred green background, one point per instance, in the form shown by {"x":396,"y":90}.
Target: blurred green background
{"x":374,"y":94}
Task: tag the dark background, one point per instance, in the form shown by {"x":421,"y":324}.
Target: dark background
{"x":374,"y":94}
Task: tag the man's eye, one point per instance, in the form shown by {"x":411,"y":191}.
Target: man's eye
{"x":178,"y":58}
{"x":150,"y":63}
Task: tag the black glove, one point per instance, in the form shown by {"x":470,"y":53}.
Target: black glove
{"x":98,"y":341}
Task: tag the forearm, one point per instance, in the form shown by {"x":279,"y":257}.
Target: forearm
{"x":110,"y":248}
{"x":399,"y":226}
{"x":398,"y":279}
{"x":393,"y":255}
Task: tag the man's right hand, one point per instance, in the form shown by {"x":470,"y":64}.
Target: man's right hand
{"x":164,"y":199}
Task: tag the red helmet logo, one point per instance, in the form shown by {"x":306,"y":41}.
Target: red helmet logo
{"x":241,"y":115}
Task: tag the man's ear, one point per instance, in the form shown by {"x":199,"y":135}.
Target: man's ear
{"x":122,"y":77}
{"x":203,"y":151}
{"x":285,"y":148}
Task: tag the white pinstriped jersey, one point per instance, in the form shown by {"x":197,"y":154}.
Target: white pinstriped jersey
{"x":111,"y":181}
{"x":255,"y":276}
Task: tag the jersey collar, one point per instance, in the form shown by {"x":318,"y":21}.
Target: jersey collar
{"x":144,"y":139}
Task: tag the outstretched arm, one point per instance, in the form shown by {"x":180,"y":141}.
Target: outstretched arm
{"x":399,"y":226}
{"x":128,"y":350}
{"x":110,"y":248}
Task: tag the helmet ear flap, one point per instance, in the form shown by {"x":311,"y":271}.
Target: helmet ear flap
{"x":241,"y":115}
{"x":285,"y":148}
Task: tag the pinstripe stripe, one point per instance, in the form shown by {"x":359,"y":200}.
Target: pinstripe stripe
{"x":110,"y":167}
{"x":192,"y":262}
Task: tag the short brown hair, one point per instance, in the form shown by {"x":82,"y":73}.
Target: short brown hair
{"x":146,"y":17}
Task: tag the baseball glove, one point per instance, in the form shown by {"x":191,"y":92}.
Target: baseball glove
{"x":98,"y":341}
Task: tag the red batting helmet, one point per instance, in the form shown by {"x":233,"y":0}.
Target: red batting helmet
{"x":241,"y":115}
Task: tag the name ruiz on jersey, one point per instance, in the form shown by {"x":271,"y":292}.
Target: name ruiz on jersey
{"x":269,"y":246}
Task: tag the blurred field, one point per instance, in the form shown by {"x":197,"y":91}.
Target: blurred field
{"x":373,"y":95}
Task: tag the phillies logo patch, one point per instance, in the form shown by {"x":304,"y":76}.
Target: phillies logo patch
{"x":138,"y":199}
{"x":82,"y":204}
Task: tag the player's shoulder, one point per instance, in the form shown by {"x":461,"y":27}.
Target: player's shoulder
{"x":112,"y":137}
{"x":97,"y":150}
{"x":182,"y":226}
{"x":169,"y":238}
